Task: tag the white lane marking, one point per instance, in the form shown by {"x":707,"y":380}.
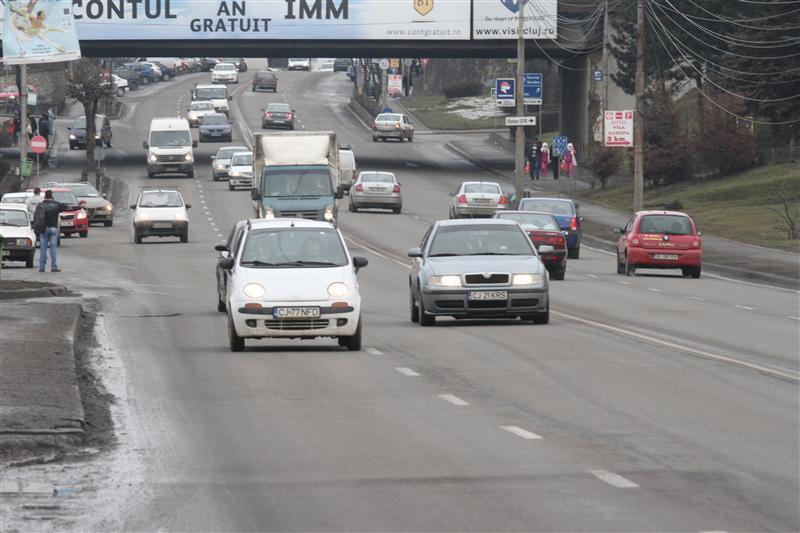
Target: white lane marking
{"x":209,"y":218}
{"x":613,"y":479}
{"x":592,"y":276}
{"x":374,"y":351}
{"x":697,"y":298}
{"x":782,"y":373}
{"x":406,"y":371}
{"x":745,"y":307}
{"x":372,"y":250}
{"x":219,"y":235}
{"x":623,"y":283}
{"x":794,"y":317}
{"x":455,"y":400}
{"x":654,"y":289}
{"x":518,"y":431}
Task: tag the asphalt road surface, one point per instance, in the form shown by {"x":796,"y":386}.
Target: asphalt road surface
{"x":650,"y":403}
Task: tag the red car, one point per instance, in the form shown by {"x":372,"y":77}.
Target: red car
{"x":543,"y":229}
{"x":73,"y":221}
{"x":659,"y":239}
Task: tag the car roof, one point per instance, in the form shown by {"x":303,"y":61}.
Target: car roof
{"x":237,"y":148}
{"x":476,"y":222}
{"x":170,"y":122}
{"x":519,"y":212}
{"x":479,"y":183}
{"x":243,"y":152}
{"x":210,"y":86}
{"x":22,"y":193}
{"x":671,"y":213}
{"x":207,"y":102}
{"x":14,"y":207}
{"x":54,"y":189}
{"x":224,"y":64}
{"x":288,"y":223}
{"x":550,"y":199}
{"x":160,"y":189}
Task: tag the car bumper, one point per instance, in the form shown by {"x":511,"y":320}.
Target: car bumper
{"x":221,"y":136}
{"x":147,"y":229}
{"x":222,"y":174}
{"x":363,"y":200}
{"x":240,"y":181}
{"x":77,"y":226}
{"x":101,"y":215}
{"x":456,"y":303}
{"x":573,"y":238}
{"x":260,"y":323}
{"x":265,"y":87}
{"x":273,"y":124}
{"x":224,"y":80}
{"x":554,"y":261}
{"x":645,"y":258}
{"x":16,"y":252}
{"x":474,"y":211}
{"x":170,"y":168}
{"x":389,"y":133}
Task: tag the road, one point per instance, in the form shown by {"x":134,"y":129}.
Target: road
{"x":650,"y":403}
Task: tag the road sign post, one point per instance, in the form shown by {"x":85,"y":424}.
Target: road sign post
{"x":520,"y":121}
{"x":38,"y":146}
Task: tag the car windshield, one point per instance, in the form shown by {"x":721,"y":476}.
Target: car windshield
{"x":65,"y":197}
{"x":377,"y":177}
{"x":293,"y":248}
{"x":224,"y":66}
{"x":296,"y":182}
{"x":164,"y":139}
{"x":215,"y":119}
{"x":227,"y":153}
{"x":665,"y":224}
{"x":265,"y":75}
{"x":556,"y":207}
{"x":479,"y":239}
{"x":160,"y":199}
{"x":389,"y":118}
{"x":202,"y":106}
{"x":212,"y":93}
{"x":280,"y":108}
{"x":491,"y":188}
{"x":533,"y":221}
{"x":81,"y":190}
{"x":240,"y":160}
{"x":13,"y":217}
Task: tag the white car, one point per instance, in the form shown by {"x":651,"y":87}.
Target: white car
{"x":120,"y":85}
{"x":240,"y":172}
{"x":477,"y":199}
{"x":292,"y":278}
{"x":19,"y":239}
{"x":197,"y":110}
{"x":299,"y":63}
{"x":221,"y":163}
{"x":326,"y":65}
{"x":160,"y":212}
{"x":25,"y":198}
{"x":225,"y":73}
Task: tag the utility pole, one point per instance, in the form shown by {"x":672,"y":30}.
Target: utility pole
{"x":23,"y":113}
{"x":638,"y":119}
{"x":605,"y":58}
{"x":519,"y":165}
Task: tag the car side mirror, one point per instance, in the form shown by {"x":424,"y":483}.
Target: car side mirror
{"x":546,"y":249}
{"x":105,"y":195}
{"x":69,"y":129}
{"x":699,"y":233}
{"x":145,"y":145}
{"x":188,"y":206}
{"x":617,"y":230}
{"x":221,"y":246}
{"x":133,"y":206}
{"x":194,"y":144}
{"x":226,"y":263}
{"x":359,"y":263}
{"x":255,"y":195}
{"x":213,"y":157}
{"x":580,"y":218}
{"x":415,"y":252}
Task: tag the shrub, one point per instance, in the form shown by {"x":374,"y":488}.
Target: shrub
{"x":462,"y":89}
{"x":605,"y":163}
{"x":666,"y":151}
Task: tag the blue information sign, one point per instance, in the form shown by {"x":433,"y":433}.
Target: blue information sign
{"x":559,"y":145}
{"x":532,"y":88}
{"x":504,"y":87}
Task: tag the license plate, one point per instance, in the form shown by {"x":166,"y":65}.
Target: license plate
{"x":666,"y":257}
{"x":216,"y":133}
{"x":376,"y":189}
{"x":277,"y":121}
{"x":479,"y":201}
{"x":295,"y":312}
{"x":487,"y":295}
{"x":66,"y":223}
{"x":161,"y":225}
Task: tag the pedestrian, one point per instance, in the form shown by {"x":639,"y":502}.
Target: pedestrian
{"x":534,"y":155}
{"x":570,"y":161}
{"x":49,"y":209}
{"x":44,"y":128}
{"x":34,"y":125}
{"x":29,"y":129}
{"x":34,"y":201}
{"x":545,"y":157}
{"x":554,"y":162}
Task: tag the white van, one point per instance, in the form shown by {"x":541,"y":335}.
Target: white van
{"x":216,"y":93}
{"x":347,"y":168}
{"x":169,"y":147}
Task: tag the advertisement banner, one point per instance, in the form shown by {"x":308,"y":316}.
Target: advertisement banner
{"x":38,"y":31}
{"x":499,"y":19}
{"x":619,"y":128}
{"x":272,"y":19}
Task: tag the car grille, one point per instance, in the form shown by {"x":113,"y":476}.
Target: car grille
{"x":487,"y":304}
{"x":525,"y":302}
{"x":214,"y":130}
{"x":480,"y":279}
{"x":169,"y":158}
{"x":90,"y":211}
{"x":67,"y":217}
{"x":449,"y":304}
{"x":295,"y":325}
{"x":312,"y":215}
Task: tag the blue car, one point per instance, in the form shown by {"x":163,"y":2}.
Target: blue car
{"x":215,"y":127}
{"x":565,"y":212}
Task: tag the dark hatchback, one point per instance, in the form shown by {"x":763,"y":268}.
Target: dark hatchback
{"x":278,"y":116}
{"x":215,"y":127}
{"x":565,"y":212}
{"x":77,"y":132}
{"x":340,"y":64}
{"x":266,"y":81}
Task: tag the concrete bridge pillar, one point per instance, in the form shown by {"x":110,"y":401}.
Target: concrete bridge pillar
{"x":575,"y":100}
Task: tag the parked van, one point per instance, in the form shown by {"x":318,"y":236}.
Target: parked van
{"x":347,"y":168}
{"x":169,"y":147}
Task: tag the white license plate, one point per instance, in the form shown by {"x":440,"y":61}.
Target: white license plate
{"x":487,"y":295}
{"x":67,"y":223}
{"x":666,"y":257}
{"x":376,"y":189}
{"x":295,"y":312}
{"x":161,"y":225}
{"x":216,"y":133}
{"x":276,"y":121}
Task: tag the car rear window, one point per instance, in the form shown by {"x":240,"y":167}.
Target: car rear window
{"x":375,"y":177}
{"x":265,"y":75}
{"x":556,"y":207}
{"x":490,"y":188}
{"x":389,"y":118}
{"x":279,"y":108}
{"x":666,"y":224}
{"x":534,"y":221}
{"x":215,"y":119}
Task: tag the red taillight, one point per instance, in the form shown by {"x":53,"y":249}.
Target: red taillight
{"x":359,"y":188}
{"x":252,"y":306}
{"x":503,"y":200}
{"x":462,"y":199}
{"x":374,"y":125}
{"x":573,"y":224}
{"x":554,"y":239}
{"x":396,"y":188}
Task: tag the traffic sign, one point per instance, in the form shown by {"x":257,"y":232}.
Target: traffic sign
{"x":394,"y":62}
{"x":407,"y":61}
{"x":38,"y":144}
{"x":532,"y":88}
{"x":559,"y":145}
{"x":597,"y":75}
{"x":99,"y":153}
{"x":505,"y":91}
{"x":520,"y":121}
{"x":619,"y":128}
{"x":383,"y":64}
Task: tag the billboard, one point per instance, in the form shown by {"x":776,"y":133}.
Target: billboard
{"x":272,"y":19}
{"x":38,"y":31}
{"x":499,"y":19}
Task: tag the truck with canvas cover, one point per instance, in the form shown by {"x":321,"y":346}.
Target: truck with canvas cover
{"x":296,"y":175}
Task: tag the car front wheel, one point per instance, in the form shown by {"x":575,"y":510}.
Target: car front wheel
{"x":414,"y":308}
{"x":235,"y":342}
{"x":425,"y":319}
{"x":353,"y":342}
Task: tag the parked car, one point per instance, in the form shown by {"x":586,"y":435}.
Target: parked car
{"x":340,"y":64}
{"x":240,"y":173}
{"x":566,"y":213}
{"x":278,"y":115}
{"x":149,"y":72}
{"x":237,"y":62}
{"x":660,"y":239}
{"x":477,"y":269}
{"x":224,"y":73}
{"x":221,"y":163}
{"x":216,"y":127}
{"x":133,"y":77}
{"x":77,"y":132}
{"x":298,"y":63}
{"x":97,"y":207}
{"x":543,"y":229}
{"x":25,"y":198}
{"x":392,"y":126}
{"x":293,"y":278}
{"x":160,"y":213}
{"x":19,"y":239}
{"x":75,"y":219}
{"x":264,"y":80}
{"x":121,"y":85}
{"x":477,"y":199}
{"x":378,"y":190}
{"x":225,"y":249}
{"x":167,"y":72}
{"x":207,"y":64}
{"x":197,"y":110}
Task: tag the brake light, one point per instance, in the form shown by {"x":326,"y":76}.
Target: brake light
{"x":503,"y":200}
{"x":268,"y":114}
{"x":573,"y":224}
{"x":359,"y":188}
{"x":396,"y":188}
{"x":374,"y":125}
{"x":555,"y":239}
{"x":462,"y":199}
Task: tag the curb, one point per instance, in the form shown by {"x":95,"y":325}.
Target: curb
{"x":42,"y":292}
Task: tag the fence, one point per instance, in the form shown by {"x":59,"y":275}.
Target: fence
{"x":779,"y":154}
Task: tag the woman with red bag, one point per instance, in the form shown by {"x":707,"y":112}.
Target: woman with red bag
{"x":569,"y":162}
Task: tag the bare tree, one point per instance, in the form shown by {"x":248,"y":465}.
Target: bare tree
{"x":790,"y":214}
{"x":85,"y":83}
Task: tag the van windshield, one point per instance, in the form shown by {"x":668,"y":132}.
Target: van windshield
{"x":211,"y":93}
{"x":296,"y":182}
{"x":165,"y":139}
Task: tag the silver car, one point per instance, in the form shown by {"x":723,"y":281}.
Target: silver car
{"x":478,"y":269}
{"x":376,"y":189}
{"x":392,"y":126}
{"x":240,"y":173}
{"x":477,"y":199}
{"x":98,"y":209}
{"x":221,"y":163}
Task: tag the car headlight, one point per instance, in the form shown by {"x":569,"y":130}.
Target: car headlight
{"x":445,"y":281}
{"x":97,"y":136}
{"x":328,"y":215}
{"x":236,"y":174}
{"x":338,"y":290}
{"x":141,"y":217}
{"x":269,"y":213}
{"x":254,"y":290}
{"x":192,"y":116}
{"x":108,"y":207}
{"x":72,"y":137}
{"x":188,"y":157}
{"x":527,"y":279}
{"x":27,"y":242}
{"x":219,"y":166}
{"x":180,"y":217}
{"x":153,"y":158}
{"x":81,"y":214}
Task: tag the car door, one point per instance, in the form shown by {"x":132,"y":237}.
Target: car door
{"x":622,"y":242}
{"x":418,"y":263}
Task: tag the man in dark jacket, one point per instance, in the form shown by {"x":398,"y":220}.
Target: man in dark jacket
{"x":49,"y":237}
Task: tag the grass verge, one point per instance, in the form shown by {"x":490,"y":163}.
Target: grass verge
{"x":439,"y":113}
{"x":734,"y":207}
